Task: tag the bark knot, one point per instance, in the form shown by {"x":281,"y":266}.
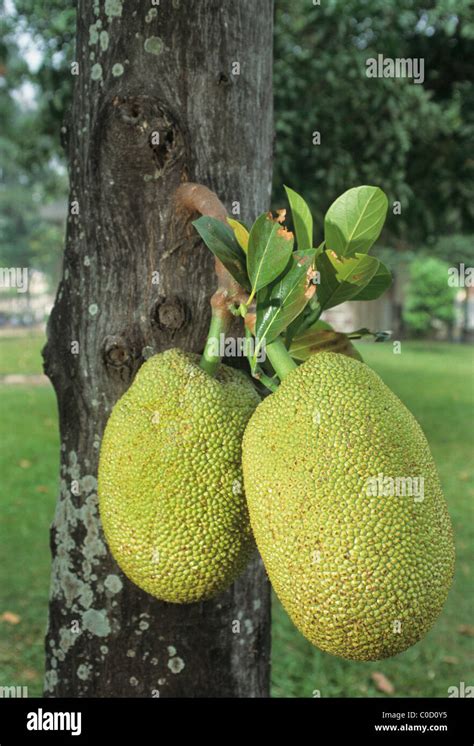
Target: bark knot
{"x":170,"y":314}
{"x":116,"y":351}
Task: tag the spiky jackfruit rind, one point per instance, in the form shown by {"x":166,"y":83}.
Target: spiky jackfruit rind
{"x":362,"y":577}
{"x":170,"y":481}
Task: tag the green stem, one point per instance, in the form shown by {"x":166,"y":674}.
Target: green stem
{"x":220,"y":323}
{"x":250,"y":298}
{"x":280,"y":358}
{"x":270,"y":383}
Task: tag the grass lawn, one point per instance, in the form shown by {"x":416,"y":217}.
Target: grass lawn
{"x":29,"y":462}
{"x":21,"y":354}
{"x":434,"y":380}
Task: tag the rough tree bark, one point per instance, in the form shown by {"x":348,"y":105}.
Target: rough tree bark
{"x":136,"y":281}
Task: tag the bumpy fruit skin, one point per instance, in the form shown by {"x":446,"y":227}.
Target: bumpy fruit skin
{"x":362,"y":577}
{"x":170,"y":481}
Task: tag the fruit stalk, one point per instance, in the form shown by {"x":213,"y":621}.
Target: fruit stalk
{"x":220,"y":323}
{"x":280,"y":358}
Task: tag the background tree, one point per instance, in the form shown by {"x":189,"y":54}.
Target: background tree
{"x":411,"y":140}
{"x":430,"y":300}
{"x":158,"y":100}
{"x":32,"y":103}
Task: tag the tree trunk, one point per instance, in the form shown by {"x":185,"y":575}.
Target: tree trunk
{"x":159,"y":99}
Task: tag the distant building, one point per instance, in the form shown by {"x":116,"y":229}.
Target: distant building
{"x":26,"y":308}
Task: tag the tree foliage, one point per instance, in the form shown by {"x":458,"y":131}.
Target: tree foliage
{"x":414,"y":141}
{"x":32,"y":103}
{"x":430,"y":300}
{"x":411,"y":140}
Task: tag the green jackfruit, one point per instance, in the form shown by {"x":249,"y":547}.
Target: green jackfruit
{"x":363,"y":573}
{"x":170,"y":481}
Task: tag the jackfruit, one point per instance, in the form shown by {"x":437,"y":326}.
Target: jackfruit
{"x":170,"y":478}
{"x":363,"y":573}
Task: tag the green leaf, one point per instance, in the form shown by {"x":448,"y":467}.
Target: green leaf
{"x":343,"y":279}
{"x":310,"y":313}
{"x":354,"y":221}
{"x":220,"y":239}
{"x":321,"y":325}
{"x":313,"y":341}
{"x":270,"y":247}
{"x":380,"y":336}
{"x":359,"y":333}
{"x":379,"y":283}
{"x":302,"y":219}
{"x":318,"y":325}
{"x":279,"y":304}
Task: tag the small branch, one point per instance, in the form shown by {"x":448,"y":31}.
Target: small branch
{"x":198,"y":198}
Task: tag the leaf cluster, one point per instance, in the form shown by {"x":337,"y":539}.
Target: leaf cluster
{"x":289,"y":281}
